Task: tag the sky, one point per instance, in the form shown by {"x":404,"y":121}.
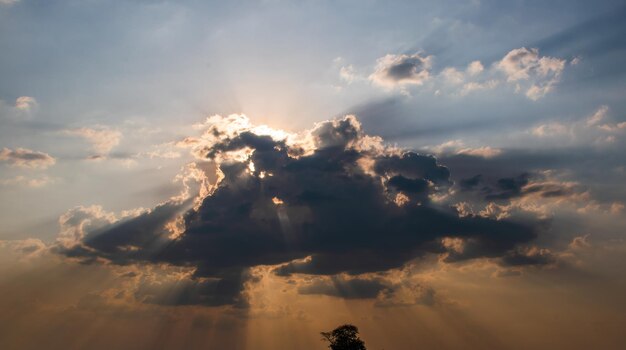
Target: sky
{"x":248,"y":174}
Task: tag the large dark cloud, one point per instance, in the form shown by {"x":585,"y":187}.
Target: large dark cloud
{"x":332,"y":208}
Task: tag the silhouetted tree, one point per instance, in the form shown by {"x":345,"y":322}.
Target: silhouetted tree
{"x":344,"y":337}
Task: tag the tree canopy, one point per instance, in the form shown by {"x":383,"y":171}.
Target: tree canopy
{"x":344,"y":337}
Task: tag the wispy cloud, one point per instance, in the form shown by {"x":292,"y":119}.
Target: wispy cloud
{"x":459,"y":147}
{"x":595,"y":129}
{"x":8,"y":2}
{"x":33,"y":182}
{"x":102,"y":139}
{"x":26,"y":158}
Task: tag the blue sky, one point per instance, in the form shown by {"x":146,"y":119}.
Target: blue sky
{"x":166,"y":65}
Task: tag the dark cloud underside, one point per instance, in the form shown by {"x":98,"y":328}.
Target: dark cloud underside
{"x":322,"y":205}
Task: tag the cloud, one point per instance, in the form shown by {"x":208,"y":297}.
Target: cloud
{"x":25,"y":248}
{"x":613,"y":127}
{"x":166,"y":150}
{"x":165,"y":290}
{"x":452,"y":76}
{"x":76,"y":222}
{"x":599,"y":115}
{"x":407,"y":293}
{"x":549,"y":129}
{"x":517,"y":186}
{"x":541,"y":72}
{"x":399,"y":70}
{"x":473,"y":86}
{"x":535,"y":75}
{"x":102,"y":139}
{"x":580,"y":242}
{"x":528,"y":257}
{"x":23,"y":108}
{"x":594,"y":129}
{"x":26,"y":158}
{"x":322,"y":202}
{"x":25,"y":103}
{"x":385,"y":291}
{"x":470,"y":183}
{"x":534,"y":185}
{"x":463,"y":82}
{"x":28,"y":182}
{"x":508,"y":187}
{"x":348,"y":73}
{"x":523,"y":68}
{"x":474,"y":68}
{"x":8,"y":2}
{"x":458,"y":147}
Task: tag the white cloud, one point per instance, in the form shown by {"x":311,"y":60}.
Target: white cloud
{"x":475,"y":68}
{"x":452,"y":75}
{"x":539,"y":73}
